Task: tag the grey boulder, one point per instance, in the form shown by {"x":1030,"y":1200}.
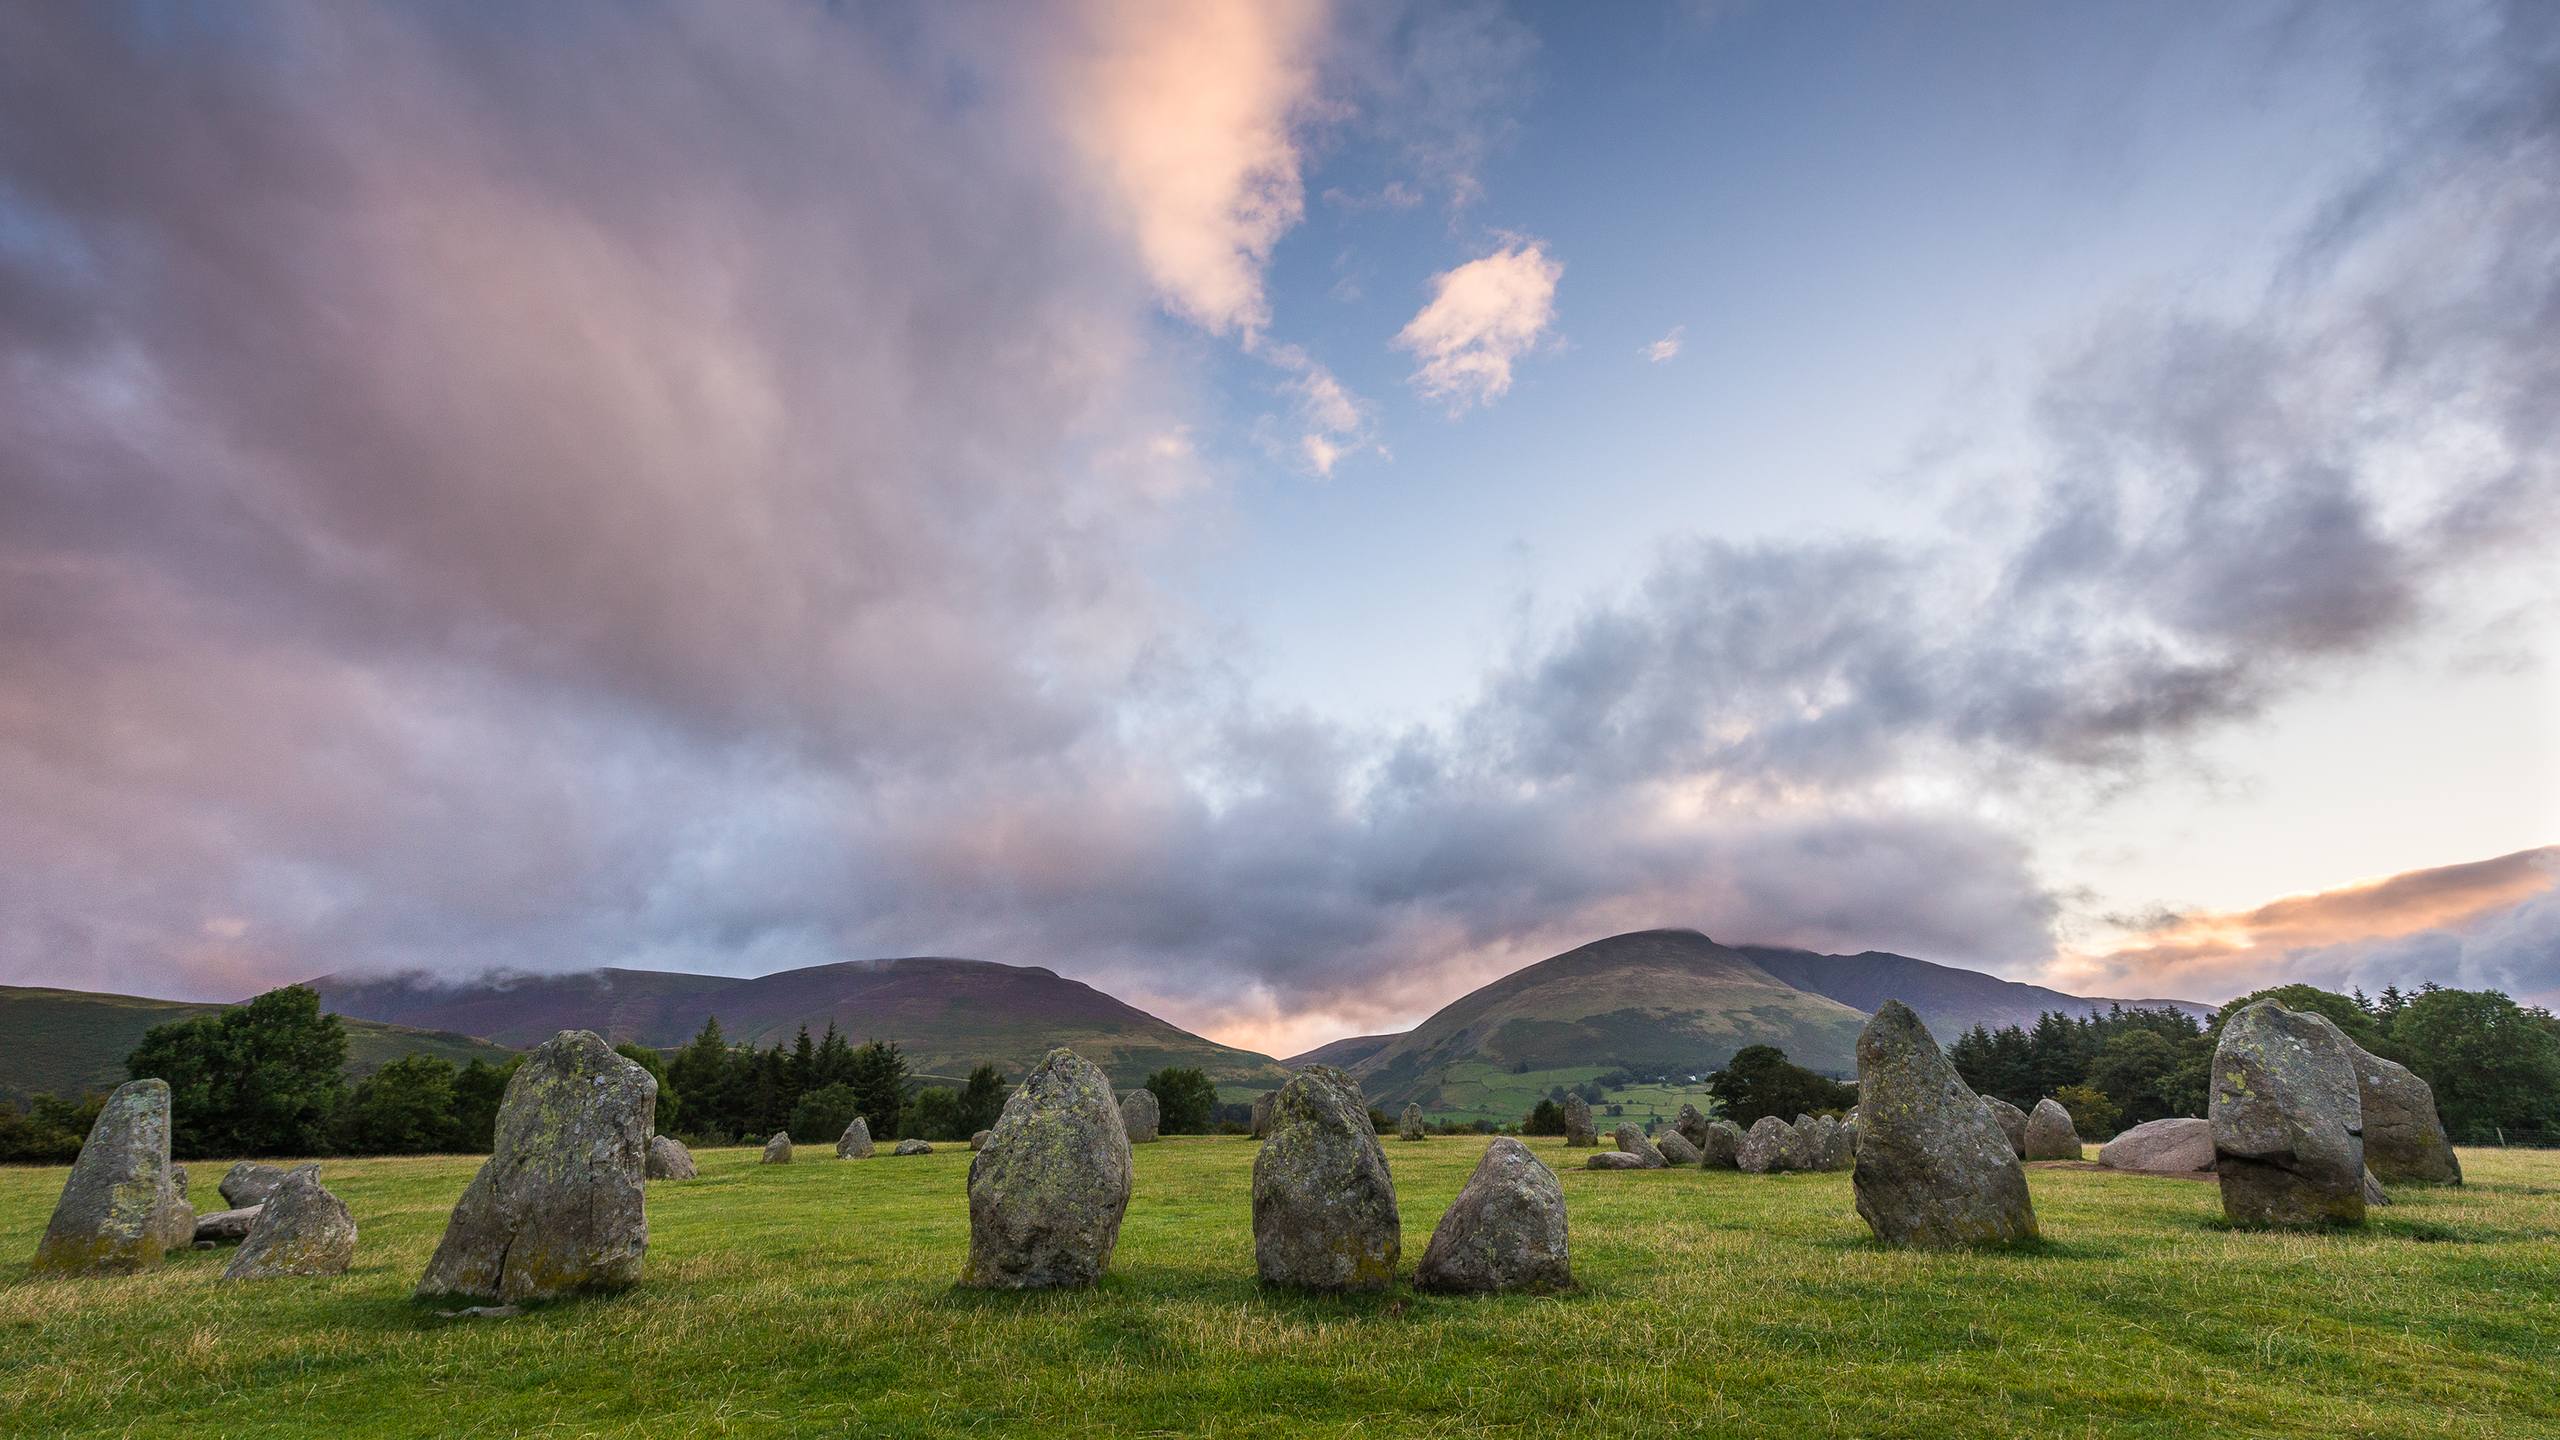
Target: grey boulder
{"x":913,"y":1147}
{"x":1934,"y":1169}
{"x":668,"y":1159}
{"x":1614,"y":1160}
{"x":855,"y":1142}
{"x":2288,"y":1128}
{"x":1675,"y":1148}
{"x":301,"y":1229}
{"x":1140,"y":1116}
{"x":1047,"y":1193}
{"x":2404,"y":1139}
{"x":225,"y":1227}
{"x":1721,"y":1147}
{"x":1766,"y":1148}
{"x":978,"y":1140}
{"x":1324,"y":1204}
{"x":1409,"y":1124}
{"x":1579,"y":1128}
{"x":777,"y":1151}
{"x":1262,"y":1113}
{"x":2049,"y":1133}
{"x":249,"y":1182}
{"x":560,"y":1205}
{"x":1505,"y":1231}
{"x":121,"y":1205}
{"x":2013,"y":1121}
{"x":1692,"y":1127}
{"x":2180,"y":1145}
{"x":1630,"y":1139}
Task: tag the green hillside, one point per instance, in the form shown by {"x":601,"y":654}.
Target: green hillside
{"x":68,"y":1041}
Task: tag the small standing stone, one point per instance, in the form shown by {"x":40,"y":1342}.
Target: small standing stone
{"x":1579,"y":1128}
{"x":1675,"y":1148}
{"x":1409,"y":1124}
{"x":1139,"y":1116}
{"x":1692,"y":1127}
{"x":302,"y":1229}
{"x":2404,"y":1139}
{"x":2013,"y":1122}
{"x":669,"y":1160}
{"x":119,"y":1207}
{"x":978,"y":1140}
{"x":1722,"y":1147}
{"x":1766,"y":1148}
{"x":1934,"y":1168}
{"x":777,"y":1151}
{"x":855,"y":1142}
{"x":1631,"y":1139}
{"x":913,"y":1147}
{"x":2288,"y":1127}
{"x":1505,"y":1231}
{"x":1047,"y":1193}
{"x":2181,"y":1145}
{"x":249,"y":1182}
{"x":1324,"y":1204}
{"x":1262,"y":1113}
{"x":2049,"y":1132}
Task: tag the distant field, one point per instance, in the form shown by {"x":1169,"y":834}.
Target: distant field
{"x":816,"y":1299}
{"x":1475,"y":1091}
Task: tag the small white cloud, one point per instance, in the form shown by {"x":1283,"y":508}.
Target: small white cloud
{"x":1666,"y":347}
{"x":1330,"y":422}
{"x":1483,"y":315}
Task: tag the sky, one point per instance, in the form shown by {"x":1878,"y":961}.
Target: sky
{"x":1283,"y":511}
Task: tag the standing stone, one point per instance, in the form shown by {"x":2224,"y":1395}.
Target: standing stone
{"x":1722,"y":1147}
{"x":2013,"y":1122}
{"x":668,"y":1159}
{"x":1803,"y":1145}
{"x":1934,"y":1169}
{"x":1830,"y":1147}
{"x":1614,"y":1160}
{"x":1764,"y":1149}
{"x":249,"y":1183}
{"x":1262,"y":1113}
{"x":2404,"y":1139}
{"x":1409,"y":1124}
{"x":560,"y":1205}
{"x":1505,"y":1231}
{"x":2288,"y":1139}
{"x":2181,"y":1145}
{"x":913,"y":1147}
{"x":855,"y":1142}
{"x":1139,"y":1116}
{"x":1845,"y":1153}
{"x":1579,"y":1128}
{"x":302,"y":1229}
{"x":119,"y":1207}
{"x":1631,"y":1139}
{"x":777,"y":1151}
{"x":1675,"y":1148}
{"x":2049,"y":1133}
{"x":1047,"y":1193}
{"x":1324,"y":1204}
{"x":173,"y":1220}
{"x":1692,"y":1127}
{"x":978,"y":1140}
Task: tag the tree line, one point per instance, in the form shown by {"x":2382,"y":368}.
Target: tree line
{"x":270,"y":1078}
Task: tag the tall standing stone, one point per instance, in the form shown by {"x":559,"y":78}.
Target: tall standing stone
{"x":855,"y":1142}
{"x":2013,"y":1122}
{"x":669,"y":1160}
{"x":1505,"y":1231}
{"x":1139,"y":1116}
{"x":1721,"y":1149}
{"x":301,"y":1229}
{"x":1934,"y":1169}
{"x":1324,"y":1204}
{"x":560,"y":1205}
{"x":1409,"y":1124}
{"x":1631,"y":1140}
{"x":1047,"y":1194}
{"x":119,"y":1207}
{"x":1579,"y":1128}
{"x":2404,"y":1139}
{"x":2049,"y":1134}
{"x":2288,"y":1127}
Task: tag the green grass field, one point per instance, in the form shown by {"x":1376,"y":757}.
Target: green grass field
{"x":816,"y":1299}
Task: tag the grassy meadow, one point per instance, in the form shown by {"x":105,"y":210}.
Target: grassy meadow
{"x":816,"y":1299}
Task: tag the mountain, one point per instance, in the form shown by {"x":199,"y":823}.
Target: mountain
{"x":1654,"y":1000}
{"x":1343,"y":1054}
{"x":1948,"y":1000}
{"x":68,"y":1041}
{"x":948,"y":1015}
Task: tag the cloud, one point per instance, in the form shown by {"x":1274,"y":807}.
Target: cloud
{"x":1665,"y":349}
{"x":1327,"y":424}
{"x":1482,"y":316}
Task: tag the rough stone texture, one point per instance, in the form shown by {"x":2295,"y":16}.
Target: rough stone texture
{"x":855,"y":1142}
{"x":1505,"y":1231}
{"x":1721,"y":1146}
{"x":119,"y":1207}
{"x":2049,"y":1132}
{"x":777,"y":1151}
{"x":249,"y":1182}
{"x":1764,"y":1148}
{"x":1324,"y":1204}
{"x":2181,"y":1145}
{"x":668,"y":1159}
{"x":2013,"y":1122}
{"x":1934,"y":1169}
{"x":2374,"y":1194}
{"x":1409,"y":1124}
{"x":1262,"y":1113}
{"x":2404,"y":1139}
{"x":302,"y":1229}
{"x":1802,"y":1149}
{"x":1829,"y":1148}
{"x":978,"y":1140}
{"x":1692,"y":1126}
{"x":173,"y":1220}
{"x":1848,"y":1142}
{"x":2288,"y":1141}
{"x":913,"y":1147}
{"x":225,"y":1227}
{"x":1675,"y":1148}
{"x":1579,"y":1128}
{"x":560,"y":1205}
{"x":1047,"y":1193}
{"x":1614,"y":1160}
{"x":1631,"y":1139}
{"x":1140,"y":1116}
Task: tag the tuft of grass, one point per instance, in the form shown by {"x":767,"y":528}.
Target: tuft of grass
{"x":816,"y":1298}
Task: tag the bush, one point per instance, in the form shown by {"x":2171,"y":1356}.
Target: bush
{"x":2093,"y":1115}
{"x":405,"y":1108}
{"x":50,"y":1131}
{"x":934,"y":1114}
{"x":1184,"y":1099}
{"x":821,"y":1116}
{"x":1760,"y":1080}
{"x":1546,"y":1118}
